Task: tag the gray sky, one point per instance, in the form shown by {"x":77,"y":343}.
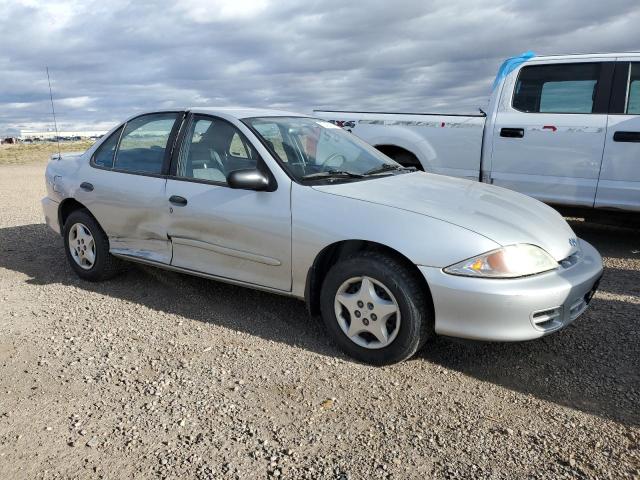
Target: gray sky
{"x":109,"y":60}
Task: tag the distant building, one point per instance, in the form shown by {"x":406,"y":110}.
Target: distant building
{"x":63,"y":135}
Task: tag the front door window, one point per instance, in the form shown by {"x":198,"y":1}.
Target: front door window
{"x":212,"y":149}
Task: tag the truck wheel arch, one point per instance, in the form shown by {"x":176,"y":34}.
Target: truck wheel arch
{"x":401,"y":155}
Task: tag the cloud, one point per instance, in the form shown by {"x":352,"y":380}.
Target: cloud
{"x":76,"y":102}
{"x":109,"y":60}
{"x":219,"y":11}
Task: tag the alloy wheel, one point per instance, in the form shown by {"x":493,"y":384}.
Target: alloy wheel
{"x":82,"y":246}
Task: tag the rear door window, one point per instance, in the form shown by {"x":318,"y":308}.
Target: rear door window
{"x":562,"y":88}
{"x":105,"y":152}
{"x":633,"y":97}
{"x":144,"y":143}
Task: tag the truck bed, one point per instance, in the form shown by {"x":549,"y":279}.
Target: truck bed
{"x":448,"y":144}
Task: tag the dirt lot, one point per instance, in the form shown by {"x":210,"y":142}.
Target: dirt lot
{"x":156,"y":374}
{"x":26,"y":153}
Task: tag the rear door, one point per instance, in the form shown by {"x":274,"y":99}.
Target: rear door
{"x":549,"y":135}
{"x":125,"y":189}
{"x":619,"y":184}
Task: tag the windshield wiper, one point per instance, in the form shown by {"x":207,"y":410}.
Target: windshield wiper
{"x":388,"y":167}
{"x":332,"y":174}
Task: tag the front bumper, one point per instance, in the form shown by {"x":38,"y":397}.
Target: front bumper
{"x":50,"y":210}
{"x":513,"y":309}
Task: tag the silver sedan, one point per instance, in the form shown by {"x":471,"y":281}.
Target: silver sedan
{"x":389,"y":256}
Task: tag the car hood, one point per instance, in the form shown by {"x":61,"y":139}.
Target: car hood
{"x":504,"y":216}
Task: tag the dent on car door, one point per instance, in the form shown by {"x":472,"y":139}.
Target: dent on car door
{"x":549,"y":135}
{"x":619,"y":183}
{"x":243,"y":235}
{"x":128,"y":181}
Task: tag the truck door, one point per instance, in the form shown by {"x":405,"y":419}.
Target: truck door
{"x":550,"y":129}
{"x":619,"y":183}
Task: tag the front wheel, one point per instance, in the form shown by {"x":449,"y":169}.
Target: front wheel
{"x":376,"y":309}
{"x":87,"y":248}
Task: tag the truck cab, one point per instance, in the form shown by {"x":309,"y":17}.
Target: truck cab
{"x":564,"y":129}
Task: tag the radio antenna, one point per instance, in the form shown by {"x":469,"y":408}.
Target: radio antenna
{"x":53,"y":111}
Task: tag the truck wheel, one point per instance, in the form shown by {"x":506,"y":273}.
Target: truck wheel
{"x":87,"y":248}
{"x":407,"y":159}
{"x":376,"y":309}
{"x":400,"y":155}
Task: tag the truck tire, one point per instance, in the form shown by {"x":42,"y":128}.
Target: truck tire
{"x":407,"y":159}
{"x":400,"y":155}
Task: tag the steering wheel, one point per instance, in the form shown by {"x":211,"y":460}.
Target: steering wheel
{"x":334,"y":156}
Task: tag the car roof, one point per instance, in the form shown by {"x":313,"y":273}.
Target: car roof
{"x":245,"y":112}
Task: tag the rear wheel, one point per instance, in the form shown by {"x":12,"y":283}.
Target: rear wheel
{"x":400,"y":155}
{"x":87,"y":248}
{"x":407,"y":159}
{"x":376,"y":309}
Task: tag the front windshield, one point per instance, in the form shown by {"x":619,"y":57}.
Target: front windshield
{"x":312,"y":150}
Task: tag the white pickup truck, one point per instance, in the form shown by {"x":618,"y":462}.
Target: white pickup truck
{"x":563,"y":129}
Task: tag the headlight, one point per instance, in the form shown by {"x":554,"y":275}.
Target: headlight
{"x":506,"y":262}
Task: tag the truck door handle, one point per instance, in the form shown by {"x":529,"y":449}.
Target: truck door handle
{"x":86,"y":186}
{"x":632,"y":137}
{"x":178,"y":200}
{"x":512,"y":132}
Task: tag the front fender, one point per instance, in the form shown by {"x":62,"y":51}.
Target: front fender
{"x":320,"y":219}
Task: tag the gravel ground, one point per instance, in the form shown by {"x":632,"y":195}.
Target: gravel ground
{"x":157,"y":374}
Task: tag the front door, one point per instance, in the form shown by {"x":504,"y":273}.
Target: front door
{"x":241,"y":235}
{"x":619,"y":184}
{"x":549,"y":137}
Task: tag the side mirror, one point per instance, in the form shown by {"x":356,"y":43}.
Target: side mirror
{"x":249,"y":179}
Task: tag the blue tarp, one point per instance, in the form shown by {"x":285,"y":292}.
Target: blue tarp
{"x":509,"y":65}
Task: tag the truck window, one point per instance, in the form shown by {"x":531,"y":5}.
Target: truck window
{"x":562,"y":88}
{"x":633,"y":98}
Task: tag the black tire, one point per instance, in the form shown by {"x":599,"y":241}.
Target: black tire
{"x":414,"y":302}
{"x":105,"y":265}
{"x":407,"y":159}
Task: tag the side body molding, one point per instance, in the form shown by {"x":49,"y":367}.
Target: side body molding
{"x":232,"y":252}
